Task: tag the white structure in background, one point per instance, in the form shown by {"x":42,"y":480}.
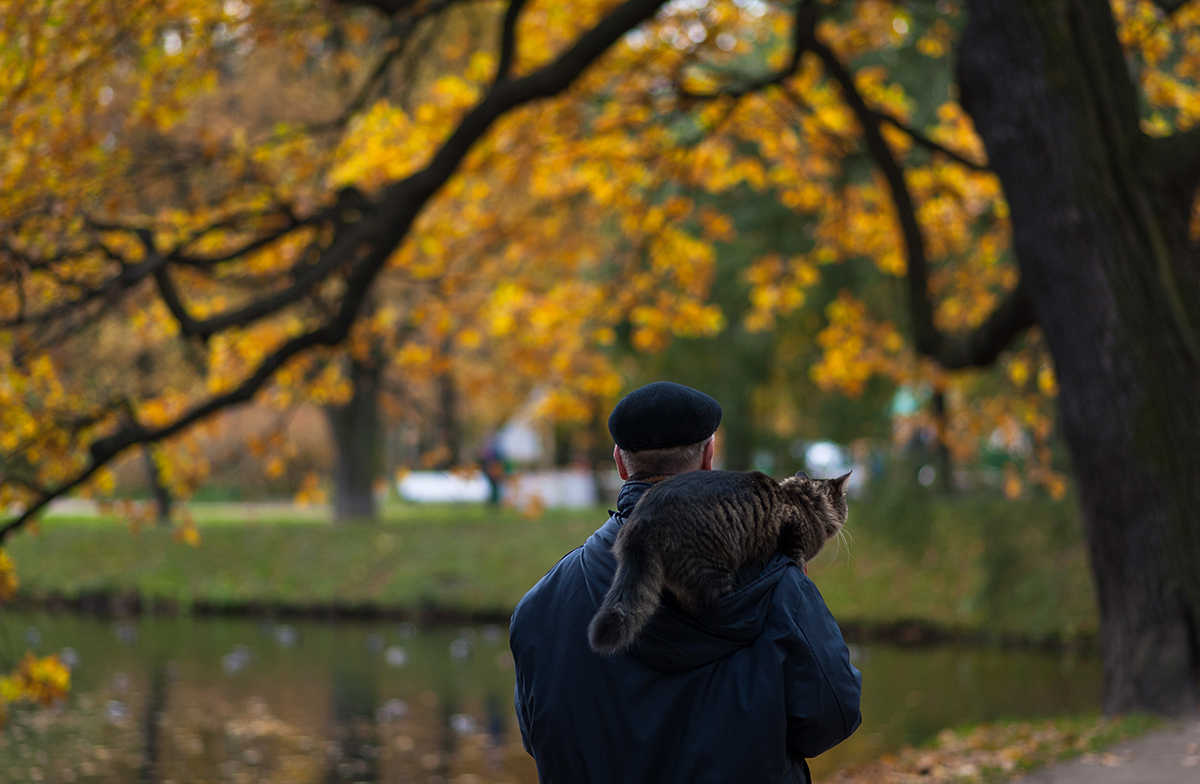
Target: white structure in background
{"x":567,"y":488}
{"x":443,"y":486}
{"x":520,"y":440}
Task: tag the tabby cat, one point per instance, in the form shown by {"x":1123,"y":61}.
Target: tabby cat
{"x":693,"y":532}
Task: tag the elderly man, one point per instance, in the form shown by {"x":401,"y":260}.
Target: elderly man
{"x":743,"y":692}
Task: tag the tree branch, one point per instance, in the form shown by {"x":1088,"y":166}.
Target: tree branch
{"x":111,"y":289}
{"x":1176,"y":158}
{"x":508,"y":40}
{"x":803,"y":30}
{"x":981,"y":346}
{"x":973,"y":349}
{"x":170,"y":297}
{"x":366,"y":247}
{"x":1170,"y":6}
{"x":929,"y":143}
{"x":386,"y":7}
{"x":258,"y":243}
{"x":359,"y":101}
{"x":401,"y":30}
{"x":402,"y":200}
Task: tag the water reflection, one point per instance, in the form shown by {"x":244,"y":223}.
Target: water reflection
{"x":177,"y":701}
{"x":909,"y":695}
{"x":352,"y":718}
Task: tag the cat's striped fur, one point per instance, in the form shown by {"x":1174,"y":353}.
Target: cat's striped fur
{"x":693,"y":532}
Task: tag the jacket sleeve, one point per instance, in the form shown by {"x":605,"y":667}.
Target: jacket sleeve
{"x":519,"y":696}
{"x":821,"y":687}
{"x":523,"y":721}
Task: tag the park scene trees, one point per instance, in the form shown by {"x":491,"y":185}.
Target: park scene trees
{"x":955,"y":235}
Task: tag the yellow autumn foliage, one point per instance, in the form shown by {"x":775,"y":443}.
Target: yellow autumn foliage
{"x":43,"y":680}
{"x":8,"y":578}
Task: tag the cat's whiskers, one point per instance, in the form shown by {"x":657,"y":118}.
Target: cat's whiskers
{"x":847,"y":538}
{"x":842,"y":537}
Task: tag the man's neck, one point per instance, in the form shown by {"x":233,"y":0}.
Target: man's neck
{"x":648,"y":477}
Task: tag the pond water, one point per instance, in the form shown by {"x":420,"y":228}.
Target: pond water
{"x":186,"y":700}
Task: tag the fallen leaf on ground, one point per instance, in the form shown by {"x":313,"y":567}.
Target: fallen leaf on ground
{"x":996,"y":753}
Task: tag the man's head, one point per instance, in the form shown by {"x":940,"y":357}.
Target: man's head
{"x":663,"y":428}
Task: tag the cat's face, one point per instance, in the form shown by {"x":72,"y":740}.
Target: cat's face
{"x":825,"y":497}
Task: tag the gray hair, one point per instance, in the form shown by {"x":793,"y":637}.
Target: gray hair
{"x":667,"y":460}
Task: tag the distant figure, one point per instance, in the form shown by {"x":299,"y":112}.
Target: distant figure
{"x":494,"y":469}
{"x":743,"y":690}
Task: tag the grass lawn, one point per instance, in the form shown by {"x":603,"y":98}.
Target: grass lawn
{"x":966,"y":563}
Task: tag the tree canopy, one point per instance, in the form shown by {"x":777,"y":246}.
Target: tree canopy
{"x":252,"y":193}
{"x":572,"y":217}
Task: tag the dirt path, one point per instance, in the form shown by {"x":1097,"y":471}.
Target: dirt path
{"x":1169,"y":756}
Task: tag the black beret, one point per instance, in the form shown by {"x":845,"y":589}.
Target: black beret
{"x":661,"y":415}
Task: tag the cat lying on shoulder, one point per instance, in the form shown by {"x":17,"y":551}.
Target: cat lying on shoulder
{"x":693,"y":532}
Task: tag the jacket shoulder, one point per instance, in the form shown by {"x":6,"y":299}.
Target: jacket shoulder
{"x":799,"y":601}
{"x":549,"y":588}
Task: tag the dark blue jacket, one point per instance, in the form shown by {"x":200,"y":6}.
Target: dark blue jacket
{"x":744,"y":692}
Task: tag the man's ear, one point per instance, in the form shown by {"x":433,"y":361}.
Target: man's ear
{"x":620,"y":463}
{"x":709,"y":449}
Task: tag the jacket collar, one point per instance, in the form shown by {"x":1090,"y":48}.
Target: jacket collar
{"x":631,"y":492}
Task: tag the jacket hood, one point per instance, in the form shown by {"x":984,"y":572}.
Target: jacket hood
{"x":675,"y":640}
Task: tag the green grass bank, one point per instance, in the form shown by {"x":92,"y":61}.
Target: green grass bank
{"x":974,"y":565}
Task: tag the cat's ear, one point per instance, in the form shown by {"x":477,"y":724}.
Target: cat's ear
{"x":842,"y":482}
{"x":802,"y":475}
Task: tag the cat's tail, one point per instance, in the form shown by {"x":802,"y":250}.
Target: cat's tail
{"x":631,"y":601}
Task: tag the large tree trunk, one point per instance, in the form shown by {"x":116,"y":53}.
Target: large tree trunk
{"x":358,"y":439}
{"x":1101,"y":237}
